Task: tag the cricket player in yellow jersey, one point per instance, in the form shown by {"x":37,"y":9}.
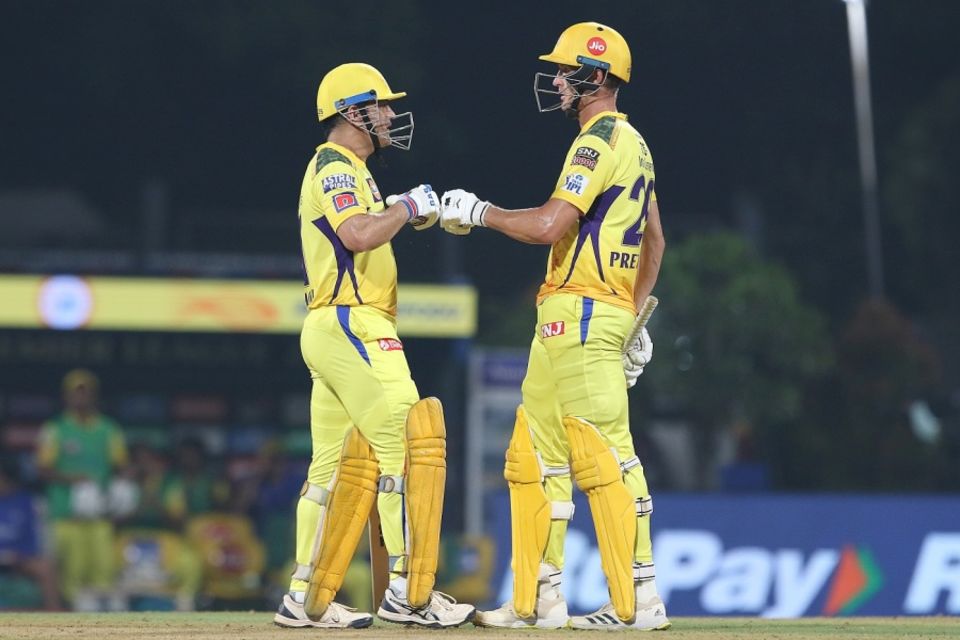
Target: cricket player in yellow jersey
{"x":369,"y":427}
{"x":603,"y":223}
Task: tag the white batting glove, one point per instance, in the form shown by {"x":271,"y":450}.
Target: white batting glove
{"x":461,"y":211}
{"x":631,"y":373}
{"x":637,"y":356}
{"x":423,"y":206}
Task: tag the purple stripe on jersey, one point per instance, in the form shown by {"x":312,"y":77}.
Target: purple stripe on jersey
{"x":590,"y":228}
{"x":343,"y":316}
{"x":343,"y":255}
{"x":585,"y":319}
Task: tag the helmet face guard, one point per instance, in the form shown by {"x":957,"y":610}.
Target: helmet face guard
{"x":399,"y":128}
{"x":551,"y":98}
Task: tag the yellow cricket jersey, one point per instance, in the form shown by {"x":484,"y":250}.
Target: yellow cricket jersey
{"x":607,"y":175}
{"x":336,"y":186}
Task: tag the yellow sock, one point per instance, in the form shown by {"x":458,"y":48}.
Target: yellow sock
{"x":558,"y":489}
{"x":308,"y":512}
{"x":637,"y":484}
{"x":390,"y":506}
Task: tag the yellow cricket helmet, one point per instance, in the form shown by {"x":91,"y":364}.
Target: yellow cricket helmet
{"x":356,"y":83}
{"x":352,"y":83}
{"x":592,"y":44}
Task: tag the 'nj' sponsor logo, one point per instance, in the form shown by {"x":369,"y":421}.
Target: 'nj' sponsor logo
{"x":552,"y":329}
{"x":390,"y":344}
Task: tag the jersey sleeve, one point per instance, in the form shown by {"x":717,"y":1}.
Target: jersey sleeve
{"x":337,"y":192}
{"x":586,"y":171}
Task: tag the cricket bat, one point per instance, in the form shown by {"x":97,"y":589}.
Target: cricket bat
{"x":646,"y":310}
{"x":379,"y":559}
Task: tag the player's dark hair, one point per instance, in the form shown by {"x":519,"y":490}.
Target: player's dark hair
{"x":612,"y":82}
{"x":327,"y":126}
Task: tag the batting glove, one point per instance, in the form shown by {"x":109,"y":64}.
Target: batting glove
{"x":631,"y":373}
{"x":637,"y":356}
{"x":461,"y":211}
{"x":423,"y":206}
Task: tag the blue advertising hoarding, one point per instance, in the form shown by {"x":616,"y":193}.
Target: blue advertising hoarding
{"x":777,"y":556}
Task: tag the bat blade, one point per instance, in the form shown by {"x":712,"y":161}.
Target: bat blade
{"x":379,"y":559}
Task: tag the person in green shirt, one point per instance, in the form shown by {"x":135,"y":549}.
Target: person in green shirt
{"x":79,"y":452}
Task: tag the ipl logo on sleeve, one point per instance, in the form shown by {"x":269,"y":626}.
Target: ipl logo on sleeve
{"x":575,"y":183}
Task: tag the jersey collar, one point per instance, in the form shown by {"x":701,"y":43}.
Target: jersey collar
{"x":350,"y":154}
{"x":603,"y":114}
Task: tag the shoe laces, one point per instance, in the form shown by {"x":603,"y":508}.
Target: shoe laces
{"x":337,"y":609}
{"x":607,"y":608}
{"x":442,"y":599}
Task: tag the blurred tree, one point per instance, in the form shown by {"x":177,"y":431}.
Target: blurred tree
{"x":734,"y":344}
{"x":865,"y":436}
{"x":923,"y":196}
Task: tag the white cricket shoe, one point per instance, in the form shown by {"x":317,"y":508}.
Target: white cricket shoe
{"x":550,"y":611}
{"x":337,"y":616}
{"x":650,"y":616}
{"x":440,"y":610}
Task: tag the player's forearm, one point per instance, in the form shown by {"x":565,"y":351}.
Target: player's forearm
{"x":367,"y":232}
{"x":651,"y":255}
{"x":533,"y":226}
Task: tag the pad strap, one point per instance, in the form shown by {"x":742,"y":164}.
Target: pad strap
{"x":643,"y":571}
{"x":315,"y":493}
{"x":644,"y":506}
{"x":553,"y":472}
{"x":630,"y":463}
{"x":561,"y":510}
{"x":302,"y":572}
{"x":390,"y":484}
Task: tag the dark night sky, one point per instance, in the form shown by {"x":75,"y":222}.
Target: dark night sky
{"x":737,"y":99}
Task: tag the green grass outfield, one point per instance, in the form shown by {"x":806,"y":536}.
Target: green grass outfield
{"x":248,"y":625}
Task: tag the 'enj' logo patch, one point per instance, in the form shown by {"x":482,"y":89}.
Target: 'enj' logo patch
{"x":551,"y":329}
{"x":390,"y":344}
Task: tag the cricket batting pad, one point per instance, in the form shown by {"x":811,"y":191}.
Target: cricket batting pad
{"x":598,"y":474}
{"x":425,"y":479}
{"x":529,"y":514}
{"x":353,"y":493}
